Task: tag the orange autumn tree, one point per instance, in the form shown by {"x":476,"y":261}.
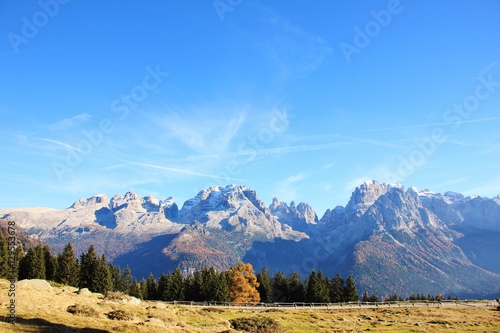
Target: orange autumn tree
{"x":243,"y":284}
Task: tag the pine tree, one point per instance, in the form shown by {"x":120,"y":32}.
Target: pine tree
{"x":152,"y":288}
{"x":280,"y":288}
{"x":350,"y":292}
{"x":176,"y":290}
{"x":197,"y":292}
{"x":243,"y":284}
{"x":265,"y":288}
{"x":4,"y":256}
{"x":336,"y":286}
{"x":163,"y":287}
{"x":317,"y":288}
{"x":135,"y":289}
{"x":88,"y":264}
{"x":126,"y":280}
{"x":100,"y":280}
{"x":297,"y":290}
{"x":50,"y":264}
{"x":189,"y":288}
{"x":222,"y":292}
{"x":116,"y":277}
{"x":32,"y":266}
{"x":214,"y":286}
{"x":68,"y":268}
{"x":19,"y":255}
{"x":144,"y":289}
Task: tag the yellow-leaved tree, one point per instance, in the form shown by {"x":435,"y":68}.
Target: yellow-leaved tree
{"x":243,"y":284}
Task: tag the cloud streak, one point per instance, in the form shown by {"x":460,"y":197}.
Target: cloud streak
{"x":62,"y":144}
{"x":184,"y":171}
{"x":481,"y":120}
{"x":68,"y":123}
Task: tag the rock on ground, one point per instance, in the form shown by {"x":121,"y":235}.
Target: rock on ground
{"x":36,"y":284}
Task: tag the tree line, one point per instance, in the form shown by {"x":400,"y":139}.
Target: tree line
{"x":238,"y":284}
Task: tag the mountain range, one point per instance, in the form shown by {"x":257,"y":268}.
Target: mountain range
{"x":390,"y":239}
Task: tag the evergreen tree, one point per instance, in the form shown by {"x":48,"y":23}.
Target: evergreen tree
{"x":280,"y":288}
{"x":116,"y":277}
{"x":214,"y":286}
{"x":19,"y":255}
{"x":336,"y":287}
{"x":369,"y":298}
{"x":350,"y":292}
{"x":68,"y":268}
{"x":88,"y":264}
{"x":4,"y":256}
{"x":243,"y":284}
{"x":100,"y":280}
{"x":176,"y":286}
{"x":190,"y":293}
{"x":144,"y":289}
{"x":317,"y":288}
{"x":163,"y":287}
{"x":152,"y":288}
{"x":365,"y":296}
{"x":50,"y":264}
{"x":135,"y":289}
{"x":265,"y":287}
{"x":197,"y":293}
{"x":126,"y":280}
{"x":32,"y":266}
{"x":297,"y":290}
{"x":222,"y":293}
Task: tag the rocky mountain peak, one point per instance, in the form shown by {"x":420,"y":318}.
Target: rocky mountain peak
{"x":96,"y":200}
{"x":366,"y":194}
{"x":299,"y":217}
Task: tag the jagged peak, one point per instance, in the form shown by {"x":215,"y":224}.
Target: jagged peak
{"x":98,"y":199}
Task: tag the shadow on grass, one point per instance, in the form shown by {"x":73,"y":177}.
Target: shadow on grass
{"x":44,"y":326}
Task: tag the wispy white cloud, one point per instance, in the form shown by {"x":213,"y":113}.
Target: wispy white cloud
{"x":70,"y":122}
{"x":259,"y":152}
{"x":286,"y":189}
{"x":351,"y":184}
{"x":480,"y":120}
{"x":294,"y":51}
{"x":451,"y":182}
{"x":184,"y":171}
{"x":202,"y":129}
{"x":62,"y":144}
{"x":489,"y":189}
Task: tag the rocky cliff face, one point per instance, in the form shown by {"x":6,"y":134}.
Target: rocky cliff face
{"x":301,"y":217}
{"x":236,"y":209}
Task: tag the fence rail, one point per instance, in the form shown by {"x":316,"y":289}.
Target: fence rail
{"x":303,"y":305}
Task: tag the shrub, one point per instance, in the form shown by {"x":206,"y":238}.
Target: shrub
{"x":82,"y":310}
{"x":120,"y":315}
{"x":256,"y":325}
{"x":115,"y":296}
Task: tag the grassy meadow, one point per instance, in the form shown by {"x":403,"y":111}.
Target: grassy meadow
{"x":47,"y":311}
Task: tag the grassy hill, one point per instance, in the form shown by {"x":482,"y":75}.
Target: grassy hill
{"x":47,"y":311}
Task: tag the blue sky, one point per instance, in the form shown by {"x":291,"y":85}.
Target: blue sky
{"x":298,"y":100}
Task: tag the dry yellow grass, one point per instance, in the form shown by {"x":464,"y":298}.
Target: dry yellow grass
{"x":46,"y":311}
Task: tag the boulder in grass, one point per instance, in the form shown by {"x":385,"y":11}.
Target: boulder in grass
{"x":36,"y":284}
{"x":84,"y":292}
